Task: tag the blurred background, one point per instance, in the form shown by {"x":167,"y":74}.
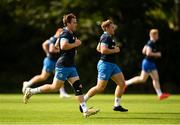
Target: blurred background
{"x":26,"y":24}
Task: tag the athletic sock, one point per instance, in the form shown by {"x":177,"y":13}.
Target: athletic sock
{"x":35,"y":90}
{"x":62,"y":90}
{"x":159,"y":92}
{"x":117,"y":101}
{"x":86,"y":97}
{"x":83,"y":106}
{"x":29,"y":83}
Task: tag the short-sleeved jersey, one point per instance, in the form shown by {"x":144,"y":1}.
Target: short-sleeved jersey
{"x":107,"y":40}
{"x":154,"y":48}
{"x":66,"y":58}
{"x":53,"y":56}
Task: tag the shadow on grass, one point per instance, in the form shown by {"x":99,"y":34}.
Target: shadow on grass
{"x":154,"y":113}
{"x":146,"y":116}
{"x":150,"y":118}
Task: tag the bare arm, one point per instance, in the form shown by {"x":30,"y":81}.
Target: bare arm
{"x":65,"y":45}
{"x":144,"y":50}
{"x":45,"y":46}
{"x":148,"y":52}
{"x":57,"y":44}
{"x":53,"y":49}
{"x":106,"y":50}
{"x":98,"y":47}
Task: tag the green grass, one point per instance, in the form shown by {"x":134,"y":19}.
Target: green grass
{"x":50,"y":109}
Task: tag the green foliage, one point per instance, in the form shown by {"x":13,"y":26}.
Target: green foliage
{"x":30,"y":22}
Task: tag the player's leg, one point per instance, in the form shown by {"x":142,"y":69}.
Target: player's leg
{"x":138,"y":79}
{"x":63,"y":93}
{"x":54,"y":87}
{"x":155,"y":79}
{"x":36,"y":79}
{"x":48,"y":68}
{"x":118,"y":78}
{"x":59,"y":79}
{"x":146,"y":65}
{"x":77,"y":86}
{"x":101,"y":85}
{"x":104,"y":74}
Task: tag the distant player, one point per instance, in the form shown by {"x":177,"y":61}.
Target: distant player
{"x":107,"y":67}
{"x":65,"y":66}
{"x":149,"y":65}
{"x":49,"y":63}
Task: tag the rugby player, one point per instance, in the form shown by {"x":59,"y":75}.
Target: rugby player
{"x":48,"y":64}
{"x":65,"y":67}
{"x":149,"y":68}
{"x":107,"y":67}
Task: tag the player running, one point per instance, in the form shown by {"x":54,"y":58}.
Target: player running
{"x":107,"y":68}
{"x":149,"y":65}
{"x":49,"y":62}
{"x":65,"y":67}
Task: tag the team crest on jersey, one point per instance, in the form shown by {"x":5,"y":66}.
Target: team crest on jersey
{"x":60,"y":75}
{"x":103,"y":75}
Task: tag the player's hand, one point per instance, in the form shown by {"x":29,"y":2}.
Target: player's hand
{"x":78,"y":42}
{"x":117,"y":49}
{"x":158,"y":54}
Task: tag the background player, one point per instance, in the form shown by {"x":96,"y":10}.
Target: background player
{"x":149,"y":65}
{"x":107,"y":67}
{"x":49,"y":62}
{"x":65,"y":67}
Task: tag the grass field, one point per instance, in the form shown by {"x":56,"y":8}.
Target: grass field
{"x":50,"y":109}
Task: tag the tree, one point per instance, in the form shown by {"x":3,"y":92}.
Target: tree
{"x":30,"y":22}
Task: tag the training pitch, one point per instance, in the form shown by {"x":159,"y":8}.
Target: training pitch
{"x":50,"y":109}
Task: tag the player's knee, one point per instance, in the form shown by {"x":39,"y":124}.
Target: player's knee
{"x":42,"y":77}
{"x":100,"y":88}
{"x":54,"y":88}
{"x":77,"y":86}
{"x":122,"y":85}
{"x":155,"y":82}
{"x":142,"y":79}
{"x":155,"y":79}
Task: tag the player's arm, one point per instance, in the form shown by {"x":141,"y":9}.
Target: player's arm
{"x":150,"y":53}
{"x":65,"y":45}
{"x":52,"y":48}
{"x":105,"y":50}
{"x":57,"y":44}
{"x":144,"y":50}
{"x":98,"y":47}
{"x":45,"y":46}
